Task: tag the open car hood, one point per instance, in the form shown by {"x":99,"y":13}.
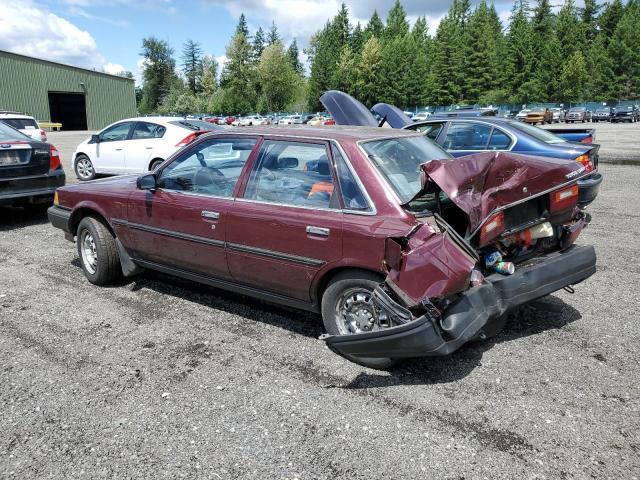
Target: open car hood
{"x":346,"y":110}
{"x":391,"y":115}
{"x":482,"y":183}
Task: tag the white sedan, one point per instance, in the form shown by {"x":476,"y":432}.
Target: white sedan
{"x":135,"y":145}
{"x":252,"y":120}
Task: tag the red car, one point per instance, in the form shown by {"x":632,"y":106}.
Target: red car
{"x":230,"y":119}
{"x":379,"y":230}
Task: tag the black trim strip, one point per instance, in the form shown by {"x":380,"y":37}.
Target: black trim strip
{"x":313,"y":262}
{"x":277,"y":255}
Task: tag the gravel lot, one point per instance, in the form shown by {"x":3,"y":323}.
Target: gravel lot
{"x":163,"y":378}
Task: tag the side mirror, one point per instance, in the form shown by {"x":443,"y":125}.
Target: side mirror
{"x":147,"y":182}
{"x":95,"y":138}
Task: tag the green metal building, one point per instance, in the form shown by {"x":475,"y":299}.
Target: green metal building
{"x":77,"y":98}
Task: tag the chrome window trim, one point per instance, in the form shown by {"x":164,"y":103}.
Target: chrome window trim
{"x":371,"y":210}
{"x":514,"y":139}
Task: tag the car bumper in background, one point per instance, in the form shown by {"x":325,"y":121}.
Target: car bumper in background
{"x":588,"y":189}
{"x":475,"y":309}
{"x":33,"y":189}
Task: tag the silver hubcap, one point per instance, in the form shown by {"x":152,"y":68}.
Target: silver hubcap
{"x":355,"y":312}
{"x":85,"y":168}
{"x":89,"y":253}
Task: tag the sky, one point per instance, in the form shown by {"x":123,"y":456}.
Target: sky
{"x":107,"y":34}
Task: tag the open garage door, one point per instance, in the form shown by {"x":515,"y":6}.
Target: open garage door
{"x":69,"y":109}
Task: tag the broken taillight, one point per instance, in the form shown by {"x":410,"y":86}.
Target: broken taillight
{"x":585,"y":160}
{"x":54,"y":158}
{"x":564,"y":199}
{"x":492,"y":228}
{"x":187,"y":140}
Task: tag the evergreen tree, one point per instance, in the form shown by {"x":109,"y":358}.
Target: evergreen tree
{"x":258,"y":44}
{"x":375,"y":27}
{"x":357,"y":39}
{"x":370,"y":81}
{"x":346,"y":71}
{"x":159,"y":73}
{"x":397,"y":25}
{"x":273,"y":36}
{"x":543,"y":21}
{"x":602,"y":81}
{"x":570,"y":32}
{"x":237,"y":76}
{"x":341,"y":26}
{"x":192,"y":65}
{"x":209,"y":77}
{"x":277,"y":78}
{"x":624,"y":50}
{"x":242,"y":26}
{"x":574,"y":78}
{"x":420,"y":32}
{"x":294,"y":58}
{"x":610,"y":17}
{"x":589,"y":17}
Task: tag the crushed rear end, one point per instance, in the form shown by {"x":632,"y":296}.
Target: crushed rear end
{"x":441,"y":291}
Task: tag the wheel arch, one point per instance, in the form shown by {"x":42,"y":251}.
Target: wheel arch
{"x":87,"y":211}
{"x":153,"y":160}
{"x":323,"y":281}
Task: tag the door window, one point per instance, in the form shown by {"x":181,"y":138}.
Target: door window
{"x":210,"y":168}
{"x":147,"y":130}
{"x":293,"y":173}
{"x":431,"y":130}
{"x":499,"y":140}
{"x":116,"y":133}
{"x":467,"y":136}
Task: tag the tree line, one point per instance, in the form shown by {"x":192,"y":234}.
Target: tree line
{"x":588,"y":53}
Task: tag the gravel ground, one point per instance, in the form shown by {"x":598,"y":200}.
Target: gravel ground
{"x":162,"y":378}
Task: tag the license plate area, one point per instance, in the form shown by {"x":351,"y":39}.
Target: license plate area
{"x":14,"y":157}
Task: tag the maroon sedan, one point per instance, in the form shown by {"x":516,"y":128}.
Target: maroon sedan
{"x":392,"y":240}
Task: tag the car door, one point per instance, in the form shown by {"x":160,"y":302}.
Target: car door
{"x":110,"y":150}
{"x":182,"y":224}
{"x":464,"y":138}
{"x":146,"y":140}
{"x":287,"y":224}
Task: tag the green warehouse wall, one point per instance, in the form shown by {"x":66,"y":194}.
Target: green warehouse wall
{"x":25,"y":83}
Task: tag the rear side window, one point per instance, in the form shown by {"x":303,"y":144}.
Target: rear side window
{"x":20,"y":123}
{"x":293,"y":173}
{"x":499,"y":140}
{"x":352,"y":196}
{"x":147,"y":130}
{"x":467,"y":136}
{"x":431,"y":130}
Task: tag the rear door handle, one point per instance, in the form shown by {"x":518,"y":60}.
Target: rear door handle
{"x":148,"y":148}
{"x":118,"y":149}
{"x":210,"y":215}
{"x":319,"y":231}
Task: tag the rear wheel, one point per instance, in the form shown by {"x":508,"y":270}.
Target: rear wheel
{"x":84,"y":168}
{"x":98,"y":252}
{"x":347,"y":309}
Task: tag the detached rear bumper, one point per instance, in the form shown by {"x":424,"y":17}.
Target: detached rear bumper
{"x":465,"y":319}
{"x":588,"y":189}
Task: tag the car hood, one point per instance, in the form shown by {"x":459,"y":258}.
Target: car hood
{"x":482,"y":183}
{"x":346,"y":110}
{"x":391,"y":115}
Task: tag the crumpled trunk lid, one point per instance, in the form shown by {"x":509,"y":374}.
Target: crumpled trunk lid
{"x":482,"y":183}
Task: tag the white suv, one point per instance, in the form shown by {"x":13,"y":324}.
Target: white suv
{"x":135,"y":145}
{"x":25,"y":124}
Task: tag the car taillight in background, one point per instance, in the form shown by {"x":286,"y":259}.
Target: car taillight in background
{"x":54,"y":158}
{"x":564,"y":199}
{"x":191,"y":137}
{"x":588,"y":139}
{"x":585,"y":161}
{"x":492,"y":228}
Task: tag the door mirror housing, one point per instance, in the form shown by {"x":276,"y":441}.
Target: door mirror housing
{"x":95,"y":138}
{"x":147,"y":182}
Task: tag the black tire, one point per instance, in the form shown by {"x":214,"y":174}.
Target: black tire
{"x":155,"y":164}
{"x":337,"y":287}
{"x":94,"y":235}
{"x":84,"y":168}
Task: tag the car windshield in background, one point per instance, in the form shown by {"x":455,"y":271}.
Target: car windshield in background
{"x":8,"y":133}
{"x":399,"y":160}
{"x":537,"y":133}
{"x":578,"y":109}
{"x":20,"y":123}
{"x":195,"y":125}
{"x":625,"y":109}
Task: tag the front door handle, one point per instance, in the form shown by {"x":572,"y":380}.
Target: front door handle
{"x":319,"y":231}
{"x":148,"y":148}
{"x":118,"y":149}
{"x":210,"y":215}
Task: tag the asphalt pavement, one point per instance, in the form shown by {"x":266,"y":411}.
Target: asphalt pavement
{"x":162,"y":378}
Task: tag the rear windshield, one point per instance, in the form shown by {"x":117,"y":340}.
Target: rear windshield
{"x":537,"y":133}
{"x":20,"y":123}
{"x":399,"y":160}
{"x":195,"y":125}
{"x":8,"y":133}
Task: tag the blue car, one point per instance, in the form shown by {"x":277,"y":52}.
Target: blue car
{"x":467,"y":135}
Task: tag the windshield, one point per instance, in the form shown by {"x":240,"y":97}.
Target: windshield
{"x":399,"y":160}
{"x":537,"y":133}
{"x":579,"y":109}
{"x":8,"y":133}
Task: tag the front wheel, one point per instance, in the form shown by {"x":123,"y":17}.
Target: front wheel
{"x":84,"y":168}
{"x":98,"y":252}
{"x":155,"y":164}
{"x":347,"y":309}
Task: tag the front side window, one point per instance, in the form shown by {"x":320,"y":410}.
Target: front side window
{"x":147,"y":130}
{"x":399,"y":159}
{"x":467,"y":136}
{"x":210,"y":168}
{"x":293,"y":173}
{"x":116,"y":133}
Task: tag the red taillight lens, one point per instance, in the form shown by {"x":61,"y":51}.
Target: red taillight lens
{"x":564,"y":199}
{"x":588,"y":139}
{"x":187,"y":140}
{"x":492,"y":228}
{"x":586,"y":162}
{"x":54,"y":158}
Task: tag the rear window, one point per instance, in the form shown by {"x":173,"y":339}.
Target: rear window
{"x":8,"y":133}
{"x":195,"y":125}
{"x":20,"y":123}
{"x":537,"y":133}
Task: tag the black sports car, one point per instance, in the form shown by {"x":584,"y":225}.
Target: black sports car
{"x":30,"y":170}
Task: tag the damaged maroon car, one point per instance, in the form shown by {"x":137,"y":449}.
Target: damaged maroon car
{"x":404,"y":251}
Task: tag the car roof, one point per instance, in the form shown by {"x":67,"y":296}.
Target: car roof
{"x":15,"y":115}
{"x":333,"y":132}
